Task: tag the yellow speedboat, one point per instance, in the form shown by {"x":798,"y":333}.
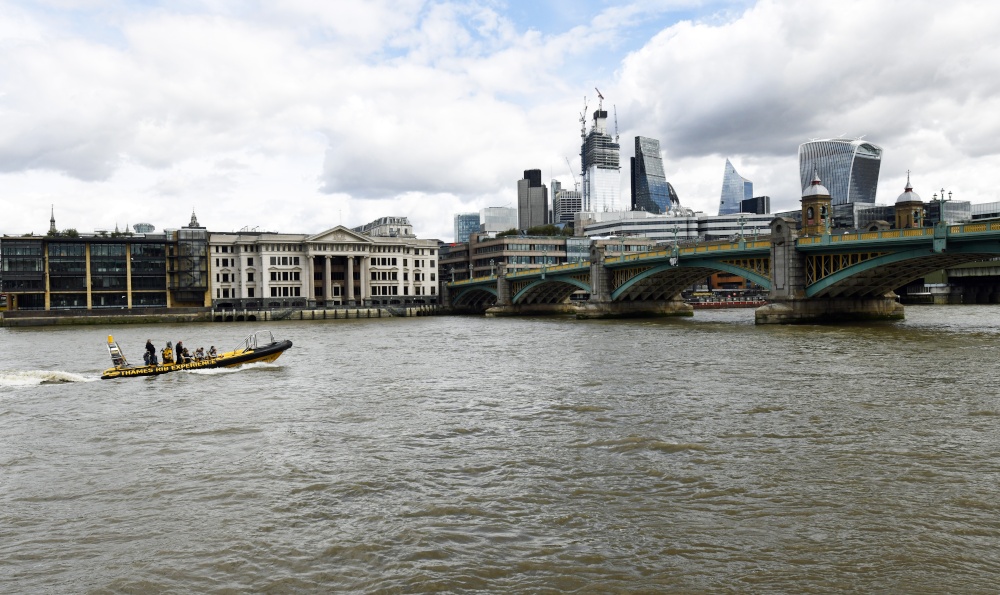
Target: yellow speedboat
{"x":257,"y":347}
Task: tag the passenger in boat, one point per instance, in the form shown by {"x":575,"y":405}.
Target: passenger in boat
{"x":212,"y":353}
{"x":150,"y":355}
{"x":168,"y":353}
{"x":180,"y":352}
{"x":199,"y":354}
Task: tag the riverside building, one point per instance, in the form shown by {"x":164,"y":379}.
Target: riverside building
{"x":102,"y":271}
{"x":379,"y":263}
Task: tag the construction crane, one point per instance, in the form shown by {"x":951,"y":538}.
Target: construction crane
{"x":600,"y":98}
{"x":576,"y":185}
{"x":615,"y":107}
{"x":583,"y":120}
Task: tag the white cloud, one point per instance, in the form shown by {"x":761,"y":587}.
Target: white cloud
{"x":300,"y":115}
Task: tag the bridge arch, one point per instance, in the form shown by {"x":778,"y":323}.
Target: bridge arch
{"x":480,"y":297}
{"x":883,"y":273}
{"x":552,"y":290}
{"x":664,"y":281}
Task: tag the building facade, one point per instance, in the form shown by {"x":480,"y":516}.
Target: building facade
{"x":735,"y":189}
{"x":465,"y":225}
{"x":667,"y":228}
{"x":118,"y":270}
{"x":600,"y":162}
{"x":650,"y":190}
{"x":849,"y":168}
{"x":493,"y":220}
{"x":336,"y":267}
{"x":532,"y":200}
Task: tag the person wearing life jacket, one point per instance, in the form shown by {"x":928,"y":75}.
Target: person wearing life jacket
{"x":212,"y":353}
{"x":168,"y":353}
{"x":150,"y":355}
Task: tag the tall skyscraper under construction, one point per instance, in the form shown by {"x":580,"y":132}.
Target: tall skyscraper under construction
{"x":848,"y":167}
{"x":650,"y":190}
{"x":599,"y":157}
{"x":735,"y":189}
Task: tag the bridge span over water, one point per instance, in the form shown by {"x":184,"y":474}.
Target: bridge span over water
{"x":827,"y":277}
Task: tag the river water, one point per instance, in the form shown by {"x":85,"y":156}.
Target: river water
{"x":546,"y":455}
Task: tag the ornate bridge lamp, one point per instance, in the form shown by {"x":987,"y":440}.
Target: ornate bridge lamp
{"x":492,"y":268}
{"x":742,"y":221}
{"x":941,"y":202}
{"x":451,"y":270}
{"x":545,"y":260}
{"x":675,"y":253}
{"x":470,"y":272}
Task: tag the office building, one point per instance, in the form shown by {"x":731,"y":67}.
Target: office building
{"x":685,"y":225}
{"x":848,"y":167}
{"x":599,"y":156}
{"x":735,"y":189}
{"x":386,"y":264}
{"x":119,"y":270}
{"x":466,"y":224}
{"x":565,"y":204}
{"x":758,"y":205}
{"x":532,"y":200}
{"x":493,"y":220}
{"x":650,"y":190}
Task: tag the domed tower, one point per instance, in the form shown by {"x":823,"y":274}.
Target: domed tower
{"x":815,"y":208}
{"x":909,"y":208}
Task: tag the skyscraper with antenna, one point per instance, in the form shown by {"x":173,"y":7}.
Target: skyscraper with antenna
{"x":600,"y":162}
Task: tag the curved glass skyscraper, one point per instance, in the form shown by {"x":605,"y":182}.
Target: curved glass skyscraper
{"x":650,"y":190}
{"x":848,"y":167}
{"x":735,"y":189}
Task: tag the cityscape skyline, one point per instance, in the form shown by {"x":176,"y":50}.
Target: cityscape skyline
{"x":123,"y":112}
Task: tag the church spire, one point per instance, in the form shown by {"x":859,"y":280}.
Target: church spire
{"x":52,"y":222}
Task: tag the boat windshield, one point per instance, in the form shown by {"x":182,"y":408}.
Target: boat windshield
{"x":255,"y":340}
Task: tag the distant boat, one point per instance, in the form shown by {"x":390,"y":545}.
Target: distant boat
{"x":257,"y":347}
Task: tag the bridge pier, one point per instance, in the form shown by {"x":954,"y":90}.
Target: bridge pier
{"x":673,"y":307}
{"x":788,"y":301}
{"x":530,"y":310}
{"x":600,"y":304}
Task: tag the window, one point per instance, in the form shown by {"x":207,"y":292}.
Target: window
{"x":250,"y":277}
{"x":250,"y":292}
{"x":250,"y":262}
{"x":274,"y":261}
{"x":225,"y":292}
{"x":274,"y":276}
{"x":274,"y":292}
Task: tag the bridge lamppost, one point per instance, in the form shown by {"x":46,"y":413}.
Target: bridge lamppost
{"x":492,"y":269}
{"x":451,"y":270}
{"x":470,"y":272}
{"x":941,"y":202}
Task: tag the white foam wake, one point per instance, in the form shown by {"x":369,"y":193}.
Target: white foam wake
{"x":17,"y":378}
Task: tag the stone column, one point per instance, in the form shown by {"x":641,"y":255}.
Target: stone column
{"x":327,"y":282}
{"x":350,"y":281}
{"x":364,"y":278}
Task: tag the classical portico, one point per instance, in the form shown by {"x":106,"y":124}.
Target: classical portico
{"x":338,"y":260}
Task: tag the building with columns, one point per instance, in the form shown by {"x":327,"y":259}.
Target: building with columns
{"x":336,"y":267}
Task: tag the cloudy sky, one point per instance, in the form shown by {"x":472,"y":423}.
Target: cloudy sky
{"x":299,"y":115}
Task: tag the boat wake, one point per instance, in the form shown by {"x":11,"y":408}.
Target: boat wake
{"x":20,"y":378}
{"x":242,"y":368}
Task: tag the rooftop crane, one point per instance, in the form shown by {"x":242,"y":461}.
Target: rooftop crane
{"x":576,"y":185}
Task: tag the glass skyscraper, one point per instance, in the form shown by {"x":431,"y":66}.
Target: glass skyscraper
{"x":848,"y":167}
{"x":650,"y":190}
{"x":466,"y":224}
{"x":735,"y":189}
{"x":599,"y":156}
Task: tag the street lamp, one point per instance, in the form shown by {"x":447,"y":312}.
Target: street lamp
{"x":451,"y":270}
{"x":492,"y":269}
{"x":470,"y":271}
{"x":941,"y":202}
{"x":742,"y":221}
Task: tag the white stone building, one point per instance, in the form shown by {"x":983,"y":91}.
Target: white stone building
{"x":336,"y":267}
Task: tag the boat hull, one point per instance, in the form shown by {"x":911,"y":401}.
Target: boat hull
{"x":264,"y":353}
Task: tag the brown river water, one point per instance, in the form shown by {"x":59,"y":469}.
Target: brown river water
{"x":544,"y":455}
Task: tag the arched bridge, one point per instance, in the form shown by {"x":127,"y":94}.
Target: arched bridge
{"x":831,"y":272}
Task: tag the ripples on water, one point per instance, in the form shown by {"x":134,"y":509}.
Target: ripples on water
{"x":519,"y":455}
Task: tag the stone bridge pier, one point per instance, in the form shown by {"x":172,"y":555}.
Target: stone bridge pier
{"x":602,"y":304}
{"x":788,"y":301}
